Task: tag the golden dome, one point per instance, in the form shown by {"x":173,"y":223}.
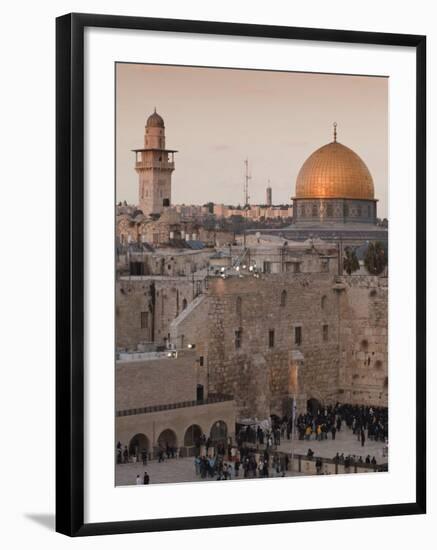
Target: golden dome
{"x":334,"y":171}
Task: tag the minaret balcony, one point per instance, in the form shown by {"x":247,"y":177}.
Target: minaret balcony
{"x":156,"y":165}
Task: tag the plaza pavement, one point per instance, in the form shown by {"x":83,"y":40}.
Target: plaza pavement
{"x":345,"y":442}
{"x":173,"y":470}
{"x":177,"y":470}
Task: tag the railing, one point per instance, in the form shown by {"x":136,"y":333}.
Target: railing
{"x":158,"y":165}
{"x":180,"y":405}
{"x":306,"y":464}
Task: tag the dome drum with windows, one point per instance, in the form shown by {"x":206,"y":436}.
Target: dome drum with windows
{"x":334,"y":186}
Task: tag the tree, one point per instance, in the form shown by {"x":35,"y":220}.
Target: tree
{"x":350,"y":260}
{"x":236,"y":223}
{"x":375,"y":259}
{"x":210,"y":206}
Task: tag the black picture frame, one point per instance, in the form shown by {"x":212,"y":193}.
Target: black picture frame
{"x":70,"y":272}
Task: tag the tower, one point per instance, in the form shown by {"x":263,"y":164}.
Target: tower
{"x":269,"y":195}
{"x":154,"y":165}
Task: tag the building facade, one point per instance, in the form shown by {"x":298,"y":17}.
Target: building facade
{"x":152,"y":415}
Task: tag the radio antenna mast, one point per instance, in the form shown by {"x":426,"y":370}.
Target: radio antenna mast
{"x":246,"y":183}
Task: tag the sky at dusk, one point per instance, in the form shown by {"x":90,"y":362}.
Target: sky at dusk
{"x":216,"y":118}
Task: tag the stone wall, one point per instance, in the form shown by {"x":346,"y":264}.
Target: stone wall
{"x":190,"y":327}
{"x":146,"y":306}
{"x":364,"y":340}
{"x":158,"y":381}
{"x":257,"y":372}
{"x":334,"y":316}
{"x":131,"y":299}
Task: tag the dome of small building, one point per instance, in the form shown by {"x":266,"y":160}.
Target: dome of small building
{"x":155,"y":121}
{"x":334,"y":171}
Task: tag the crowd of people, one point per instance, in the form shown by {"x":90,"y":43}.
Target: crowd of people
{"x":255,"y":453}
{"x":351,"y":460}
{"x":322,"y":424}
{"x":328,"y":421}
{"x":270,"y":437}
{"x":348,"y":461}
{"x":245,"y":462}
{"x":124,"y":456}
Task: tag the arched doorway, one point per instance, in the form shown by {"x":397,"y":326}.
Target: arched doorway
{"x":313,"y":405}
{"x":219,"y":432}
{"x":137,"y":444}
{"x":192,"y":436}
{"x":167,"y":438}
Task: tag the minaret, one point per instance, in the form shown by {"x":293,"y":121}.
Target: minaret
{"x":269,"y":195}
{"x":154,"y":165}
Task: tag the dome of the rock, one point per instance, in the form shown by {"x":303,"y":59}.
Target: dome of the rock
{"x":334,"y":171}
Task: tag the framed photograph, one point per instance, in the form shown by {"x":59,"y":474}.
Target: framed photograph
{"x":240,"y":274}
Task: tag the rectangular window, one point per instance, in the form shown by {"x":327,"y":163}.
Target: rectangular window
{"x":271,"y":338}
{"x":238,"y":338}
{"x":325,"y":333}
{"x":144,"y":319}
{"x":267,"y":267}
{"x":298,"y":335}
{"x":201,"y":360}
